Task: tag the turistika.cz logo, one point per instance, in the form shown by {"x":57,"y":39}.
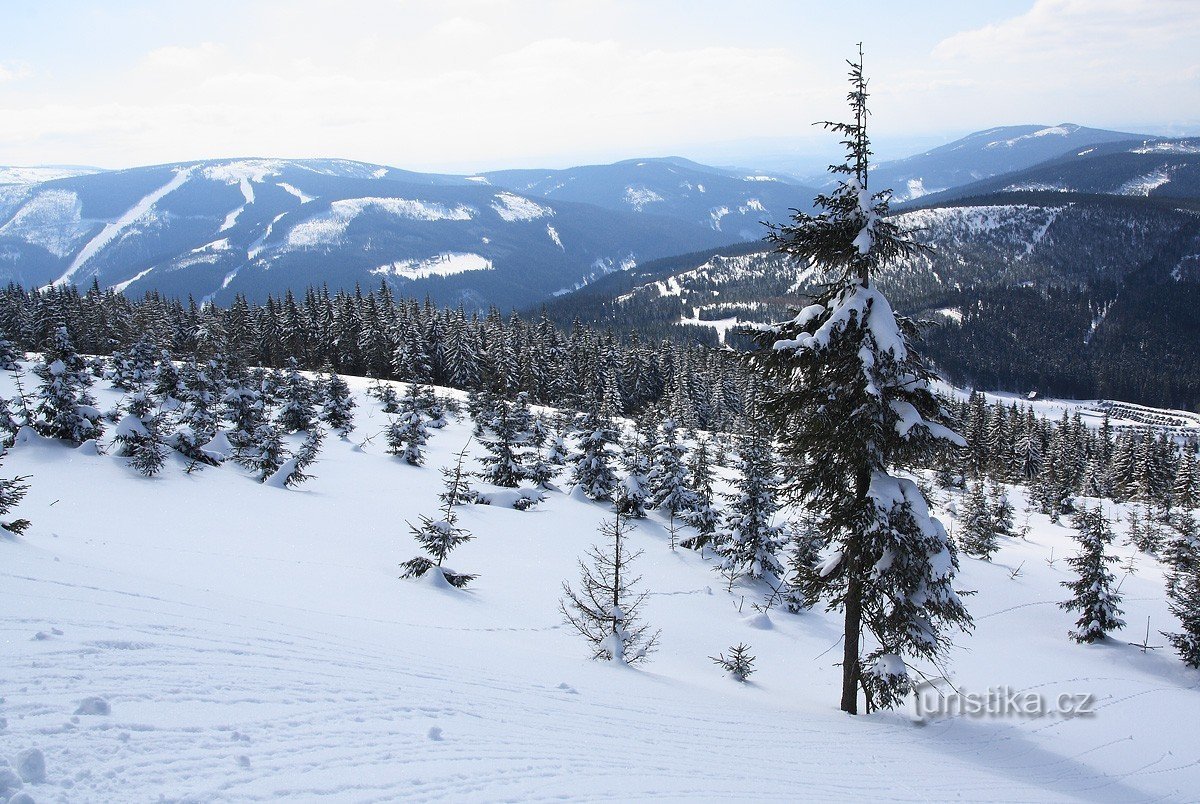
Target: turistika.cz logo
{"x":933,"y":700}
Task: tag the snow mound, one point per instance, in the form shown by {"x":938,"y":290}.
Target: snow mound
{"x":93,"y":706}
{"x":31,"y":766}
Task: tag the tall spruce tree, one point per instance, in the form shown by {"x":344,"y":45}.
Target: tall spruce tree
{"x":850,"y":399}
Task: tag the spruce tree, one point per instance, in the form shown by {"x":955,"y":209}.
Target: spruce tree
{"x":850,"y":399}
{"x":1183,"y":593}
{"x":592,"y":470}
{"x":64,"y":409}
{"x":977,"y":536}
{"x":12,"y":491}
{"x":438,"y":537}
{"x":747,"y":541}
{"x":702,"y":513}
{"x":407,"y":436}
{"x":297,"y":411}
{"x":139,"y":435}
{"x":337,"y":403}
{"x":606,"y":609}
{"x":1093,"y":591}
{"x":505,"y":441}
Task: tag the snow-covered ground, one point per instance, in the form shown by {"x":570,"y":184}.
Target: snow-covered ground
{"x":255,"y":643}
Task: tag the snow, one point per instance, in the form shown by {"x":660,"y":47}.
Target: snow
{"x":760,"y":178}
{"x":244,"y":171}
{"x":39,"y":173}
{"x":444,"y":264}
{"x":139,"y":210}
{"x":121,"y":287}
{"x":51,"y":219}
{"x":550,"y":230}
{"x":955,"y":314}
{"x":715,"y":214}
{"x":1143,"y":185}
{"x":639,"y":197}
{"x":327,"y":227}
{"x":248,"y":195}
{"x":255,"y":643}
{"x":1055,"y":131}
{"x":512,"y":208}
{"x":721,"y":325}
{"x":479,"y":179}
{"x":1168,"y":148}
{"x":304,"y":197}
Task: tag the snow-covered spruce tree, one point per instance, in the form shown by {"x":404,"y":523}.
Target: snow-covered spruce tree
{"x":977,"y":533}
{"x":9,"y":356}
{"x":1183,"y":593}
{"x":263,"y":452}
{"x":702,"y":513}
{"x":592,"y":471}
{"x":635,"y":486}
{"x":243,"y":407}
{"x":63,"y":408}
{"x":135,"y":369}
{"x":438,"y":537}
{"x":1093,"y":592}
{"x":804,"y":540}
{"x":605,"y":610}
{"x":297,"y":408}
{"x":12,"y":491}
{"x":337,"y":405}
{"x":139,"y":435}
{"x":407,"y":436}
{"x":506,"y":445}
{"x":1002,"y":511}
{"x":850,"y":399}
{"x":292,"y":471}
{"x":747,"y":540}
{"x":166,"y":378}
{"x":669,"y":480}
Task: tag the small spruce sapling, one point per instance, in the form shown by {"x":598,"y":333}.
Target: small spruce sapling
{"x":739,"y":664}
{"x":605,"y":611}
{"x":438,"y":537}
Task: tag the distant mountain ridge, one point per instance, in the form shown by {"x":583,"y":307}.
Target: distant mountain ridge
{"x":984,"y":154}
{"x":256,"y":226}
{"x":215,"y":228}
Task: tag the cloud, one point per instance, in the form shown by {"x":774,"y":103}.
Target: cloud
{"x":14,"y":71}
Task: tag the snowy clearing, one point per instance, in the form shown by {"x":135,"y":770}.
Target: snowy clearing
{"x":445,"y":264}
{"x":204,"y":637}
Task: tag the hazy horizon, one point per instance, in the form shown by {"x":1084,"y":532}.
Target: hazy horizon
{"x":469,"y":85}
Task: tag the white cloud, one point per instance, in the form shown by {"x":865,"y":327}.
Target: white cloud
{"x":14,"y":71}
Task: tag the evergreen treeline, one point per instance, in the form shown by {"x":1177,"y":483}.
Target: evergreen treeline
{"x":373,"y":334}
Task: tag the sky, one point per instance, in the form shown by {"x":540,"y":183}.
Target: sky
{"x":465,"y":85}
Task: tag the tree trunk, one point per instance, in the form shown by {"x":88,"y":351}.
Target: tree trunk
{"x":851,"y":671}
{"x":850,"y":668}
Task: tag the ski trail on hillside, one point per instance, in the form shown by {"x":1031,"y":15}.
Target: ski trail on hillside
{"x":111,"y":230}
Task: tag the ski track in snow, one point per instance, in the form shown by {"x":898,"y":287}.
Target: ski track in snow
{"x":111,"y":230}
{"x":255,"y":645}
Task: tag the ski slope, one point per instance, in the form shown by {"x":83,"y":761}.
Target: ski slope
{"x":254,"y":643}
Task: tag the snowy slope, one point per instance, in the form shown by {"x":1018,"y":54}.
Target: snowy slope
{"x":254,"y":643}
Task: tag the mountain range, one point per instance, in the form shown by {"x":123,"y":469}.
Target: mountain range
{"x":214,"y":229}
